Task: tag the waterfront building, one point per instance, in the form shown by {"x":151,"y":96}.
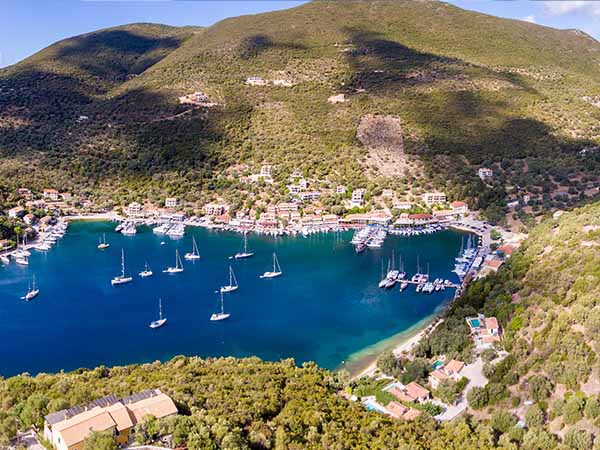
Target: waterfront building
{"x":69,"y":428}
{"x":134,"y":209}
{"x":445,"y":214}
{"x":295,"y":216}
{"x":485,"y":172}
{"x":330,"y":219}
{"x":170,"y":202}
{"x":50,"y":194}
{"x":415,"y":219}
{"x":459,"y":207}
{"x":29,"y":219}
{"x":16,"y":212}
{"x":434,"y":198}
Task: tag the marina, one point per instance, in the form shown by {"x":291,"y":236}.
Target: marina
{"x":337,"y":314}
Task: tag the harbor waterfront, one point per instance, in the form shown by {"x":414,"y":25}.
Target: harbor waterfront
{"x":325,"y":307}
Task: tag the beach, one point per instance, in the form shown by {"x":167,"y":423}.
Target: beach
{"x":366,"y":364}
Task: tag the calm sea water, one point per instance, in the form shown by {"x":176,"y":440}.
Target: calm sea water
{"x":324,"y":308}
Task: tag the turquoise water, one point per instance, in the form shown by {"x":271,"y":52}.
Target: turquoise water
{"x":324,"y":308}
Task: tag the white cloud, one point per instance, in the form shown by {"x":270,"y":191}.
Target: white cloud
{"x":529,"y":18}
{"x":560,"y":8}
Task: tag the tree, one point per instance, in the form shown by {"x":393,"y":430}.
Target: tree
{"x":578,"y":439}
{"x":573,"y":410}
{"x":478,"y":397}
{"x":540,"y":387}
{"x":100,"y":440}
{"x":415,"y":370}
{"x":389,"y":364}
{"x":592,"y":408}
{"x":538,"y":440}
{"x":502,"y":421}
{"x":534,"y":417}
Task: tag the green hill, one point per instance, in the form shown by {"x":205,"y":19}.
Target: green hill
{"x":468,"y":89}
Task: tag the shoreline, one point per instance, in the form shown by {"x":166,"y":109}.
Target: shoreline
{"x":364,"y":362}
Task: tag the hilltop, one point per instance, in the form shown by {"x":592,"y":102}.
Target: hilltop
{"x":464,"y":89}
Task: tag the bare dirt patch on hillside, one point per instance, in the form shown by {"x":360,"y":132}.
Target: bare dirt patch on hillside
{"x":382,"y":136}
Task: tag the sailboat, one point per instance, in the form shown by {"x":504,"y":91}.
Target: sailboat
{"x":178,"y":264}
{"x":102,"y":242}
{"x":23,"y":249}
{"x":222,"y":315}
{"x":147,"y":272}
{"x":32,"y":291}
{"x":276,"y":269}
{"x":4,"y":259}
{"x":161,"y":320}
{"x":245,"y":253}
{"x":195,"y":253}
{"x":233,"y":285}
{"x":121,"y":279}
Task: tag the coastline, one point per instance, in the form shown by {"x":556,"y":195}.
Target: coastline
{"x":364,"y":362}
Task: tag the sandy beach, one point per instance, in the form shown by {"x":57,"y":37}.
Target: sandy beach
{"x":403,"y":343}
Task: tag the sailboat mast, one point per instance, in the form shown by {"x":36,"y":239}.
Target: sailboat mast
{"x":160,"y":308}
{"x":222,"y":306}
{"x":123,"y":262}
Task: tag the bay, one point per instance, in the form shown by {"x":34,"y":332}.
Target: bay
{"x":325,"y":307}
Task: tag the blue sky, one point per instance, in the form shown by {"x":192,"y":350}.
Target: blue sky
{"x":27,"y":26}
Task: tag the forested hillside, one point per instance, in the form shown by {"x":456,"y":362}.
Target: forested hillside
{"x":468,"y":89}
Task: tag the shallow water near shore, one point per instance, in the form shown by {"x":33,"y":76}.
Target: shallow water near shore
{"x":325,"y":307}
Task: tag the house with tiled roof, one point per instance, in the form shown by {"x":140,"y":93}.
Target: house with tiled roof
{"x":450,"y":371}
{"x":486,"y":331}
{"x":69,"y":428}
{"x":412,"y":392}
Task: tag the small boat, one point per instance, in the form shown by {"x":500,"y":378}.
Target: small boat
{"x":222,"y":315}
{"x":233,"y":284}
{"x":276,"y":269}
{"x":403,"y":285}
{"x":147,"y":272}
{"x":161,"y":320}
{"x":178,"y":264}
{"x":22,"y":260}
{"x":4,"y":259}
{"x":360,"y":247}
{"x":32,"y":292}
{"x":195,"y":253}
{"x":245,"y":253}
{"x":129,"y":230}
{"x":102,"y":242}
{"x":121,"y":279}
{"x":119,"y":227}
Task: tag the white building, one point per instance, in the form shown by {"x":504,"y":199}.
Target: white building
{"x":387,"y":193}
{"x":402,"y":205}
{"x":255,"y":81}
{"x":310,"y":195}
{"x":216,"y":209}
{"x":170,"y":202}
{"x":434,"y":198}
{"x":484,"y":173}
{"x":340,"y":189}
{"x":357,"y":197}
{"x":51,"y":194}
{"x":134,"y":208}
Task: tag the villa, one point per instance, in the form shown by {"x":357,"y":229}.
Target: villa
{"x":459,"y":207}
{"x":357,"y":197}
{"x":484,"y":330}
{"x":69,"y":428}
{"x":50,"y":194}
{"x":17,"y":211}
{"x":450,"y":371}
{"x":412,"y":392}
{"x":399,"y":411}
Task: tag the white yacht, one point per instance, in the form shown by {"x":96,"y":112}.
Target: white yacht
{"x":233,"y":284}
{"x":32,"y":292}
{"x":161,"y":320}
{"x":121,"y":279}
{"x":195,"y":254}
{"x":178,"y":264}
{"x":147,"y":272}
{"x":4,"y":259}
{"x":22,"y":260}
{"x":222,"y":315}
{"x":245,"y":253}
{"x":129,"y":229}
{"x":276,"y":272}
{"x":102,"y":242}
